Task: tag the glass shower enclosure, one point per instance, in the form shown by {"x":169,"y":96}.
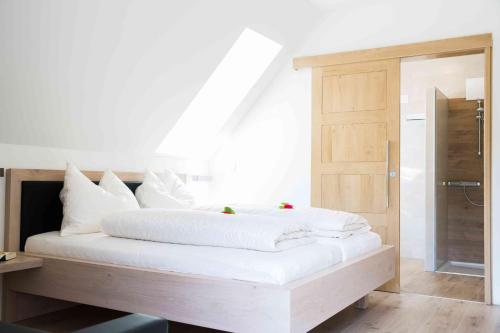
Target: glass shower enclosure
{"x":453,"y":168}
{"x":436,"y":179}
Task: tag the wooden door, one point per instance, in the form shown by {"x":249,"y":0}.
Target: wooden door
{"x":355,"y":145}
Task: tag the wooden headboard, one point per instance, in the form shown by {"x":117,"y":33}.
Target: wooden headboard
{"x":13,"y":196}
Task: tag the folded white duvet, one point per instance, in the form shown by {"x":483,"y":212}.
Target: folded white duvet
{"x":341,"y":234}
{"x":185,"y":226}
{"x":354,"y":246}
{"x":331,"y":223}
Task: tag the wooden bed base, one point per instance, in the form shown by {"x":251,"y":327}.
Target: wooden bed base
{"x":230,"y":305}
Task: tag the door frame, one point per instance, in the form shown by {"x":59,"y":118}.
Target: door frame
{"x":435,"y":49}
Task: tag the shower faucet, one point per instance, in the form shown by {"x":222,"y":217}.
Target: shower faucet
{"x":463,"y":183}
{"x":480,"y":120}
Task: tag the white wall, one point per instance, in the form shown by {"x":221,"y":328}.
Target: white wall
{"x":265,"y":160}
{"x":412,"y":187}
{"x":16,"y":156}
{"x":356,"y":24}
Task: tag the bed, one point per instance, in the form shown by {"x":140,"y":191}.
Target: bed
{"x":286,"y":292}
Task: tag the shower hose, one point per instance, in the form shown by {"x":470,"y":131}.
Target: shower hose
{"x":469,"y":200}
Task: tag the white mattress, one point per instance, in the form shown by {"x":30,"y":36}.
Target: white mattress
{"x":238,"y":264}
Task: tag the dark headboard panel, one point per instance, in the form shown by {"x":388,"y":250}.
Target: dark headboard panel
{"x":41,"y":209}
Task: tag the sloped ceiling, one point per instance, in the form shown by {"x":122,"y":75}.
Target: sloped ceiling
{"x":327,"y":4}
{"x":115,"y":75}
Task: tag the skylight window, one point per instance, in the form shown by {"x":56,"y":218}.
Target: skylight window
{"x":220,"y":96}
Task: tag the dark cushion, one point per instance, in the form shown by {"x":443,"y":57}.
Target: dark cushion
{"x":41,"y":208}
{"x":134,"y":323}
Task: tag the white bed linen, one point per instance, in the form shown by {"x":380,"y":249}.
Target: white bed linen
{"x":194,"y":227}
{"x":320,"y":219}
{"x":355,"y":245}
{"x":341,"y":234}
{"x":239,"y":264}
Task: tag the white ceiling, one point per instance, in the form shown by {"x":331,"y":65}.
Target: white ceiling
{"x":116,"y":75}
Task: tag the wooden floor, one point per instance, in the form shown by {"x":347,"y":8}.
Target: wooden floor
{"x":386,"y":313}
{"x":417,"y":281}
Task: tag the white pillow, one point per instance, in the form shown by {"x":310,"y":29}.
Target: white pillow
{"x":176,"y":187}
{"x":153,"y":193}
{"x":85,"y":203}
{"x":111,"y":183}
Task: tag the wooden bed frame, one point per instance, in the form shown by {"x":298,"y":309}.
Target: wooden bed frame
{"x":224,"y":304}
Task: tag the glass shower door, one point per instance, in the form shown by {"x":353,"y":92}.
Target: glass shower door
{"x":437,"y":175}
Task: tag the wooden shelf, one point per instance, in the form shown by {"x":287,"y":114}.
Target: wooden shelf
{"x":21,"y":262}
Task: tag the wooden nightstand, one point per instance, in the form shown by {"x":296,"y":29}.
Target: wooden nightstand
{"x":21,"y":262}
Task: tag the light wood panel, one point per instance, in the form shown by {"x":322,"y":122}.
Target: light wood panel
{"x":313,"y":303}
{"x":20,"y":263}
{"x":355,"y":92}
{"x":355,"y":114}
{"x":488,"y":114}
{"x":338,"y":140}
{"x":447,"y":46}
{"x":386,"y":312}
{"x":360,"y":193}
{"x":443,"y":55}
{"x":231,"y":305}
